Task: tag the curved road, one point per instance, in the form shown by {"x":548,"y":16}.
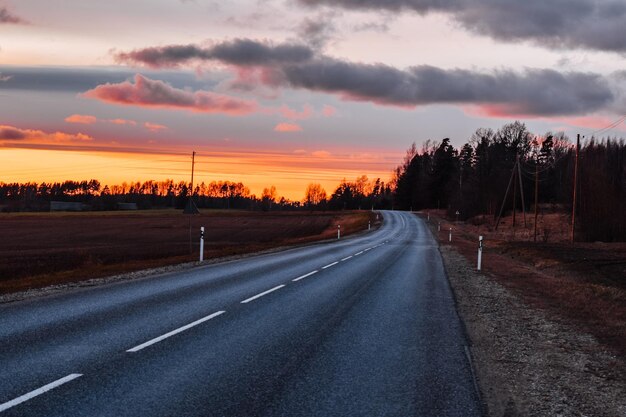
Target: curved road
{"x":365,"y":326}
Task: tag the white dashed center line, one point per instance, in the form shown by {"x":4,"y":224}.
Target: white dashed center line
{"x":358,"y":253}
{"x":329,"y":265}
{"x":346,"y":258}
{"x":38,"y":391}
{"x":304,"y":276}
{"x":173,"y":332}
{"x":247,"y":300}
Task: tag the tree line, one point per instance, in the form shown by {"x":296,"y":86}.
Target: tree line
{"x":473,"y":179}
{"x":32,"y":196}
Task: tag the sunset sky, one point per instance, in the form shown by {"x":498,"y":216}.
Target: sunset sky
{"x":288,"y":92}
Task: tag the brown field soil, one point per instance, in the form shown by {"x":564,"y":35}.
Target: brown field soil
{"x":37,"y":250}
{"x":579,"y":283}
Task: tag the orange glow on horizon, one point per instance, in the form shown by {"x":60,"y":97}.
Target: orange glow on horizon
{"x":289,"y":172}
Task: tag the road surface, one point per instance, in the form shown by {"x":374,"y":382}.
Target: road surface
{"x":365,"y":326}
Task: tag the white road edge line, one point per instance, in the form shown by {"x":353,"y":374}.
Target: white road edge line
{"x":365,"y":250}
{"x":173,"y":332}
{"x":346,"y":258}
{"x":247,"y":300}
{"x":304,"y":276}
{"x":358,"y":253}
{"x":38,"y":391}
{"x":329,"y":265}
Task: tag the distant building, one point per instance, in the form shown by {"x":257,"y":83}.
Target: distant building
{"x":68,"y":206}
{"x":127,"y":206}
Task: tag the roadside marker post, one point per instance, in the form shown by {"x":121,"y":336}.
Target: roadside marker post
{"x":450,"y":236}
{"x":369,"y":225}
{"x":338,"y":231}
{"x":202,"y":244}
{"x":428,"y":217}
{"x":480,"y":252}
{"x":439,"y":226}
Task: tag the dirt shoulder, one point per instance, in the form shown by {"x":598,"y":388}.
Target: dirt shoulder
{"x":529,"y":360}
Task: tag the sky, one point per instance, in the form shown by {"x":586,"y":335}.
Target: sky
{"x":289,"y":92}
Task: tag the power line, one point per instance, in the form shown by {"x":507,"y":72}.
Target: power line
{"x":610,"y":125}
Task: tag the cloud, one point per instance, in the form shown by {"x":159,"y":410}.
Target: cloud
{"x":86,"y":119}
{"x":11,"y":133}
{"x":8,"y":17}
{"x":146,"y":92}
{"x":122,"y":122}
{"x":529,"y":92}
{"x":321,"y":154}
{"x":589,"y":24}
{"x":240,"y":52}
{"x":81,"y":119}
{"x":532,"y":92}
{"x":329,"y":111}
{"x":153,"y":127}
{"x":287,"y":127}
{"x":288,"y":113}
{"x":318,"y":30}
{"x":4,"y":78}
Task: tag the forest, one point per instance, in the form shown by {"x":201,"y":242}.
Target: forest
{"x":474,"y":179}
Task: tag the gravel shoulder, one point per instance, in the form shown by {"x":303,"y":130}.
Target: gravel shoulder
{"x":526,"y":362}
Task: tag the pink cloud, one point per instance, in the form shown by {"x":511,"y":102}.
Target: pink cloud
{"x":288,"y":127}
{"x":158,"y":94}
{"x":122,"y":122}
{"x":501,"y":111}
{"x":321,"y":154}
{"x":11,"y":133}
{"x":329,"y":111}
{"x":593,"y":122}
{"x":288,"y":113}
{"x":153,"y":127}
{"x":81,"y":119}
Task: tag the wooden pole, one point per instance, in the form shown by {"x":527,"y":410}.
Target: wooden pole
{"x":575,"y":187}
{"x":193,"y":163}
{"x":506,"y":194}
{"x":536,"y":197}
{"x":521,"y":190}
{"x":514,"y":194}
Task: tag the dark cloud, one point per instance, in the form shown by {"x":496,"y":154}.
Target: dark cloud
{"x":242,"y":52}
{"x":11,"y":133}
{"x":381,"y":27}
{"x":8,"y":17}
{"x":318,"y":30}
{"x":532,"y":92}
{"x":587,"y":24}
{"x":76,"y":80}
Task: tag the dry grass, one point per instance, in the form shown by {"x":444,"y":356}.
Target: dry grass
{"x":52,"y":248}
{"x":582,"y":283}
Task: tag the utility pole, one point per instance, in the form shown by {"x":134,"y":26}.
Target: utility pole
{"x":521,"y":189}
{"x":536,"y":196}
{"x":191,"y":208}
{"x":515,"y":191}
{"x":575,"y":187}
{"x":506,"y":194}
{"x":193,"y":163}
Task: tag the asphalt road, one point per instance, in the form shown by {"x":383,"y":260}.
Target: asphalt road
{"x":365,"y":326}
